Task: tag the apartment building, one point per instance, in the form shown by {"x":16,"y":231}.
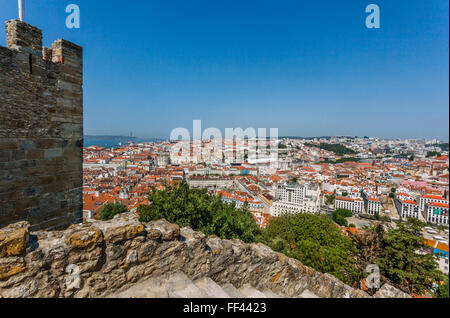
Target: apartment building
{"x":429,"y":198}
{"x":291,"y":193}
{"x":407,"y":208}
{"x":296,"y":198}
{"x":356,"y":205}
{"x":372,"y":205}
{"x":436,"y":212}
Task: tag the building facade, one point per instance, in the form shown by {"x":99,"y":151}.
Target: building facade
{"x":408,"y":209}
{"x":372,"y":205}
{"x":428,"y":198}
{"x":294,"y":198}
{"x":436,"y":213}
{"x":356,"y":205}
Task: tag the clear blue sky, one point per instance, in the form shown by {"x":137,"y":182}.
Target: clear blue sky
{"x":308,"y":68}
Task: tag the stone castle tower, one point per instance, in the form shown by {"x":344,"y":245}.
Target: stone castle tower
{"x":41,"y":130}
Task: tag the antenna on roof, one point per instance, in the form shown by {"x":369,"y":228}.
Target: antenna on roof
{"x":21,"y":10}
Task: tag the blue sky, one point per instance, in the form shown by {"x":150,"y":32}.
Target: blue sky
{"x":309,"y":68}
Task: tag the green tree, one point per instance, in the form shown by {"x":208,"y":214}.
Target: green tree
{"x":443,"y":289}
{"x":340,"y":220}
{"x":345,"y":213}
{"x":338,"y":149}
{"x":330,"y":198}
{"x":403,"y":259}
{"x":443,"y":146}
{"x":316,"y":242}
{"x":340,"y":215}
{"x":201,"y":211}
{"x":110,"y":210}
{"x":433,"y":154}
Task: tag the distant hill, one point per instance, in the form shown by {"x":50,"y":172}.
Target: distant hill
{"x":113,"y":141}
{"x":443,"y":146}
{"x":321,"y":137}
{"x":338,"y":149}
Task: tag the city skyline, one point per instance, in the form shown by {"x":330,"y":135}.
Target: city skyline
{"x":280,"y":137}
{"x":248,"y":212}
{"x":293,"y":66}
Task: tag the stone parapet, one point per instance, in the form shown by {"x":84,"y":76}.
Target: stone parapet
{"x":99,"y":259}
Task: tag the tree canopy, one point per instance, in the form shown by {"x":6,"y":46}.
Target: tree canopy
{"x":403,"y":259}
{"x":338,"y":149}
{"x":201,"y":211}
{"x":442,"y":291}
{"x":315,"y":241}
{"x":340,"y":215}
{"x":433,"y":154}
{"x":110,"y":210}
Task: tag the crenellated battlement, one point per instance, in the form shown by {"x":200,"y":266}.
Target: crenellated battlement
{"x":23,"y":37}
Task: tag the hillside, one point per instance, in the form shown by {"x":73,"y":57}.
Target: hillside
{"x":338,"y":149}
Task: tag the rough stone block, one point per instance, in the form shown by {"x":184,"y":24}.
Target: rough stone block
{"x":14,"y":239}
{"x":53,"y":153}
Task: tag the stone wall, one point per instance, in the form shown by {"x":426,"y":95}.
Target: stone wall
{"x":41,"y":130}
{"x":114,"y":255}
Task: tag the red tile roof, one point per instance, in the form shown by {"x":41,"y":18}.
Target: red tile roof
{"x":439,"y":205}
{"x":409,"y":202}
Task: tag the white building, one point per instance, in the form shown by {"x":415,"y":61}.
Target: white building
{"x":296,"y":198}
{"x":356,"y":205}
{"x":372,"y":204}
{"x":429,"y":198}
{"x":406,"y":206}
{"x":436,"y":213}
{"x":407,"y":209}
{"x":291,"y":193}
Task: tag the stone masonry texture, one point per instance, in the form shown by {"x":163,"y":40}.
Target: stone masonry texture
{"x":41,"y":130}
{"x":102,"y":258}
